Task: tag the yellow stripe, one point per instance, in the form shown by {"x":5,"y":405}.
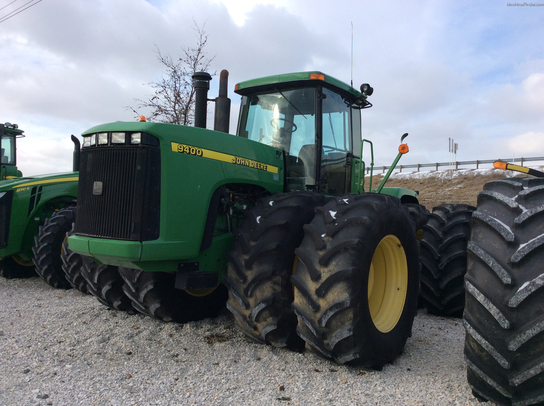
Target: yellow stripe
{"x":517,"y":168}
{"x":219,"y":156}
{"x":43,"y":182}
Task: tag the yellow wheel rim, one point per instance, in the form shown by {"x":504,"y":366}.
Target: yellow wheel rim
{"x":21,"y":261}
{"x":387,"y":284}
{"x":201,"y":292}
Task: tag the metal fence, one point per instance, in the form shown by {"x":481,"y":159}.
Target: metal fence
{"x":456,"y":165}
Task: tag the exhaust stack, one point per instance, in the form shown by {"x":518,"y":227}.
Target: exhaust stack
{"x":77,"y":148}
{"x":222,"y":104}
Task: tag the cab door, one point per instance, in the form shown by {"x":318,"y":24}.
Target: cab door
{"x":337,"y":148}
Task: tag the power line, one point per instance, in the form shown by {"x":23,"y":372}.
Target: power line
{"x":9,"y":4}
{"x":19,"y":9}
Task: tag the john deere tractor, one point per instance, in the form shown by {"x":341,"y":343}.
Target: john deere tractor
{"x":35,"y":214}
{"x":278,"y":214}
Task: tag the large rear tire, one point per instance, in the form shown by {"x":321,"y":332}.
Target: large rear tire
{"x":444,"y":259}
{"x":16,"y":267}
{"x":106,"y":284}
{"x":48,"y":247}
{"x":154,"y":294}
{"x":357,"y":280}
{"x":504,"y":312}
{"x":261,"y":264}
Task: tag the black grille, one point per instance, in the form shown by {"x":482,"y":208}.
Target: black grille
{"x":5,"y":216}
{"x":119,"y":193}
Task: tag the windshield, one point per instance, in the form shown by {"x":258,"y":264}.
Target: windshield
{"x":8,"y":150}
{"x":285,"y":119}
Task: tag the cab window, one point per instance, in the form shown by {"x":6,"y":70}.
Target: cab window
{"x":8,"y":150}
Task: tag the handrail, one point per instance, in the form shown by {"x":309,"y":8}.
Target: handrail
{"x":456,"y":164}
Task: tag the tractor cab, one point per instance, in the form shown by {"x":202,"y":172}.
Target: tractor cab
{"x":314,"y":119}
{"x":8,"y":134}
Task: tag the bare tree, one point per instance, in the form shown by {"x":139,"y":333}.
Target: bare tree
{"x":174,"y":97}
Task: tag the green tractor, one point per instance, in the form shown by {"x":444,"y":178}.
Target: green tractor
{"x":35,"y":214}
{"x":277,"y":215}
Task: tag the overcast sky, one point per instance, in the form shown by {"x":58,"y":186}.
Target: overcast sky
{"x":472,"y":71}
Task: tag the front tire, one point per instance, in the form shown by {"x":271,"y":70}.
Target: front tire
{"x":261,"y":264}
{"x":357,"y":280}
{"x":16,"y":267}
{"x":106,"y":284}
{"x":504,"y":318}
{"x":48,"y":247}
{"x":72,"y":265}
{"x":154,"y":294}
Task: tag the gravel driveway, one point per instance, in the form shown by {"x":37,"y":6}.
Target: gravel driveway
{"x":64,"y":348}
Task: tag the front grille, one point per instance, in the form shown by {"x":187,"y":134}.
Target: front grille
{"x":119,"y":193}
{"x":5,"y":215}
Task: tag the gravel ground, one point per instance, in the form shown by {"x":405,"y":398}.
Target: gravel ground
{"x":64,"y":348}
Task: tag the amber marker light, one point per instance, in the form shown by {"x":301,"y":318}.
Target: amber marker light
{"x":317,"y":76}
{"x":500,"y":165}
{"x":403,"y":148}
{"x":142,"y":119}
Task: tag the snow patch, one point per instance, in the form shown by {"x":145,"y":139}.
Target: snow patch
{"x":333,"y":214}
{"x":450,"y":174}
{"x":258,"y":219}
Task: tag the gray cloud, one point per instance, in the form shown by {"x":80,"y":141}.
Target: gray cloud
{"x":472,"y":71}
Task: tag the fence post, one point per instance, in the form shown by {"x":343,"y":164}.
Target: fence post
{"x":436,"y":166}
{"x":477,"y":164}
{"x":521,"y":164}
{"x":456,"y":165}
{"x":418,"y":167}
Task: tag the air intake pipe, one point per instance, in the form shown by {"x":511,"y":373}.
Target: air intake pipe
{"x":201,"y":83}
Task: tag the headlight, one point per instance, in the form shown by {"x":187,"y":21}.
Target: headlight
{"x":89,"y":140}
{"x":136,"y":138}
{"x":117,"y":138}
{"x":102,"y":138}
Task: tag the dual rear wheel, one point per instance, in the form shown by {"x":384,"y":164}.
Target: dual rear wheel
{"x":351,"y":293}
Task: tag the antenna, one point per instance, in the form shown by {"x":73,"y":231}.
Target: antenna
{"x":352,"y":54}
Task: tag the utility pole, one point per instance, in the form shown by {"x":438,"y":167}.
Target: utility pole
{"x":453,"y":152}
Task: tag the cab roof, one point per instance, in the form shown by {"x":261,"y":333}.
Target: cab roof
{"x":297,"y":79}
{"x":12,"y":129}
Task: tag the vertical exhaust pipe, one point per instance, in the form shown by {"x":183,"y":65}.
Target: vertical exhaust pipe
{"x":201,"y":83}
{"x":77,"y":149}
{"x":222,"y":104}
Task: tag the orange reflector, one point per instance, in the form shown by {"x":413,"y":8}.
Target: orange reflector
{"x":142,"y":119}
{"x":500,"y":165}
{"x":317,"y":76}
{"x":236,"y":87}
{"x":403,"y":148}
